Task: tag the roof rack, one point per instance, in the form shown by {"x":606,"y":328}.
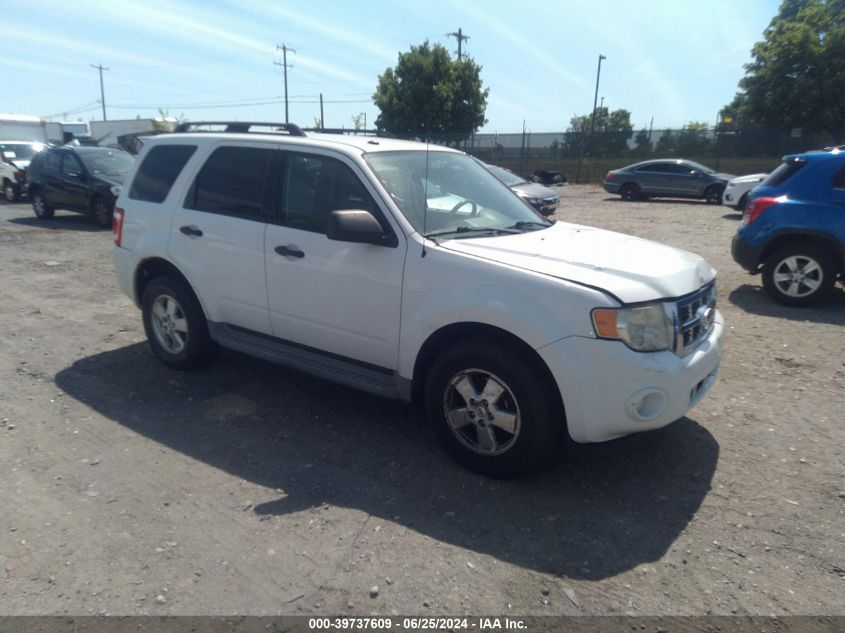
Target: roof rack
{"x":239,"y":127}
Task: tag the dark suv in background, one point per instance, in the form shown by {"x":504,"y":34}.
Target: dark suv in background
{"x":794,"y":227}
{"x":83,"y":179}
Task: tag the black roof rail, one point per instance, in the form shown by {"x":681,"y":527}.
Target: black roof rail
{"x":240,"y":127}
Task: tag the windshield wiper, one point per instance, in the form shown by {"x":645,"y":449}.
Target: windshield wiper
{"x":474,"y":229}
{"x":524,"y":224}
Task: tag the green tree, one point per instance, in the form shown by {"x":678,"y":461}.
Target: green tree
{"x":797,"y":75}
{"x":611,"y":132}
{"x":430,"y":94}
{"x":642,"y":144}
{"x":694,"y":140}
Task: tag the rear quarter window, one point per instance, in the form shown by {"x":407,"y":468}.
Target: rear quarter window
{"x":156,"y":175}
{"x":784,"y":172}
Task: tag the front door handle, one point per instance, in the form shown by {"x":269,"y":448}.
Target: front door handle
{"x":289,"y":251}
{"x":191,"y":230}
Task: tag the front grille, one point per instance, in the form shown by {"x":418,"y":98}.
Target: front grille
{"x":695,"y":316}
{"x":551,"y":200}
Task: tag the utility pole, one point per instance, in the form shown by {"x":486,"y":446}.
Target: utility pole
{"x":650,"y":126}
{"x":322,"y":120}
{"x":595,"y":101}
{"x":102,"y":92}
{"x":284,"y":48}
{"x":460,"y":37}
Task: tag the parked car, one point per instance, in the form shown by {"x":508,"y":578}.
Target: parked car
{"x":546,"y":177}
{"x":737,"y":190}
{"x":77,"y":178}
{"x":793,"y":228}
{"x":675,"y":178}
{"x":323,"y":254}
{"x":541,"y":198}
{"x":15,"y":157}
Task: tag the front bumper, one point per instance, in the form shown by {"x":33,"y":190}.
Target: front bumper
{"x":609,"y":390}
{"x":745,"y":254}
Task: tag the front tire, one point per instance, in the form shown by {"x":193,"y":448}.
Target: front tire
{"x":713,"y":194}
{"x":740,"y":206}
{"x":490,"y":410}
{"x":798,"y":274}
{"x":43,"y":211}
{"x":11,"y":191}
{"x":175,"y":324}
{"x":630,"y":191}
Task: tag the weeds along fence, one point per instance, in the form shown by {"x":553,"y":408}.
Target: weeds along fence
{"x":587,"y":158}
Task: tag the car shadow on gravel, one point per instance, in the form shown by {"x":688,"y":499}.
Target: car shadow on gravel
{"x":69,"y":222}
{"x":755,"y":300}
{"x":687,"y":201}
{"x":591,"y":516}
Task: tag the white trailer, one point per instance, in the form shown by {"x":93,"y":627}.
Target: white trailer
{"x":20,"y":127}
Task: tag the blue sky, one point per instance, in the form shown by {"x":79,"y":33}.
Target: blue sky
{"x":675,"y":60}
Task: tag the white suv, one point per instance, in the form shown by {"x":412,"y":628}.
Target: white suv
{"x":411,"y":272}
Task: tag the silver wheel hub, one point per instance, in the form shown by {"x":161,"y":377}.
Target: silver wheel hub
{"x":482,"y":412}
{"x":798,"y":276}
{"x":169,"y":324}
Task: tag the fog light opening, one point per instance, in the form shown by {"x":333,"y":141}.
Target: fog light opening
{"x":647,"y":404}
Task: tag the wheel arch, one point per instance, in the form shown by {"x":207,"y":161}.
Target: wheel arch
{"x":153,"y":267}
{"x":446,"y":335}
{"x":832,"y":246}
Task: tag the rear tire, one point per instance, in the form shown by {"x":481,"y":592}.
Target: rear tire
{"x":490,"y":411}
{"x":740,"y":206}
{"x":630,"y":191}
{"x":43,"y":211}
{"x":799,"y":274}
{"x":102,"y":212}
{"x":175,"y":324}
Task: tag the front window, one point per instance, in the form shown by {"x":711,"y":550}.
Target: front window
{"x":700,"y":167}
{"x":107,"y":162}
{"x":450,"y":195}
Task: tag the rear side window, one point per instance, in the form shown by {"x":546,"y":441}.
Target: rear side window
{"x":662,"y":168}
{"x":784,"y":172}
{"x":159,"y":171}
{"x":232,"y":182}
{"x":52,"y":161}
{"x":838,"y":180}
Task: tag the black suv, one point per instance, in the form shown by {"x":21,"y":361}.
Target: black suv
{"x":83,"y":179}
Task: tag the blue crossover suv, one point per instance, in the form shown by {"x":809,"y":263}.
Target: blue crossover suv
{"x":793,"y":227}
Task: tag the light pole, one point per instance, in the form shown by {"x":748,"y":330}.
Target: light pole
{"x":595,"y":101}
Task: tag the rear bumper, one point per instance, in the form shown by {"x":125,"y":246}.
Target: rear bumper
{"x":745,"y":254}
{"x":611,"y":187}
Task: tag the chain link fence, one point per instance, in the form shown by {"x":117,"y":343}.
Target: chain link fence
{"x":586,"y":158}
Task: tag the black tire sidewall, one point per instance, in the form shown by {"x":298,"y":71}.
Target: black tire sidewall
{"x":798,"y":250}
{"x":713,"y":189}
{"x":634,"y":190}
{"x":95,"y":212}
{"x":540,"y":427}
{"x":199,"y":345}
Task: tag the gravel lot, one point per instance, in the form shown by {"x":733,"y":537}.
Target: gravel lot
{"x":128,"y":488}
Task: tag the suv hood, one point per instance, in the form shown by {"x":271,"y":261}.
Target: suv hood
{"x":19,"y":164}
{"x":630,"y":268}
{"x":749,"y":178}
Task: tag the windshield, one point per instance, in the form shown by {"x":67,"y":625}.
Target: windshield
{"x":506,"y":176}
{"x":700,"y":167}
{"x":452,"y":195}
{"x":106,"y":162}
{"x":20,"y":151}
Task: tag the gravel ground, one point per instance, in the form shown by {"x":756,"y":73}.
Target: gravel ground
{"x":128,"y":488}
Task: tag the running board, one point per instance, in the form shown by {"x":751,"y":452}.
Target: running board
{"x":345,"y":372}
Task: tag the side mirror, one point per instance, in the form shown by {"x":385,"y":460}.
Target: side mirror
{"x":357,"y":225}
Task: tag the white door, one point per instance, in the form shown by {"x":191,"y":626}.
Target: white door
{"x":338,"y":297}
{"x":217,"y":236}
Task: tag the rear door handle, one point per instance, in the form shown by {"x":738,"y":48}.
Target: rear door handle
{"x":289,"y":251}
{"x":191,"y":230}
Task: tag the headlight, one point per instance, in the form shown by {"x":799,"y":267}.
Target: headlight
{"x":534,"y":200}
{"x":646,"y":328}
{"x":115,"y":190}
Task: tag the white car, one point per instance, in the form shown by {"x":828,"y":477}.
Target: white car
{"x":320,"y":252}
{"x":15,"y":157}
{"x":737,"y":190}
